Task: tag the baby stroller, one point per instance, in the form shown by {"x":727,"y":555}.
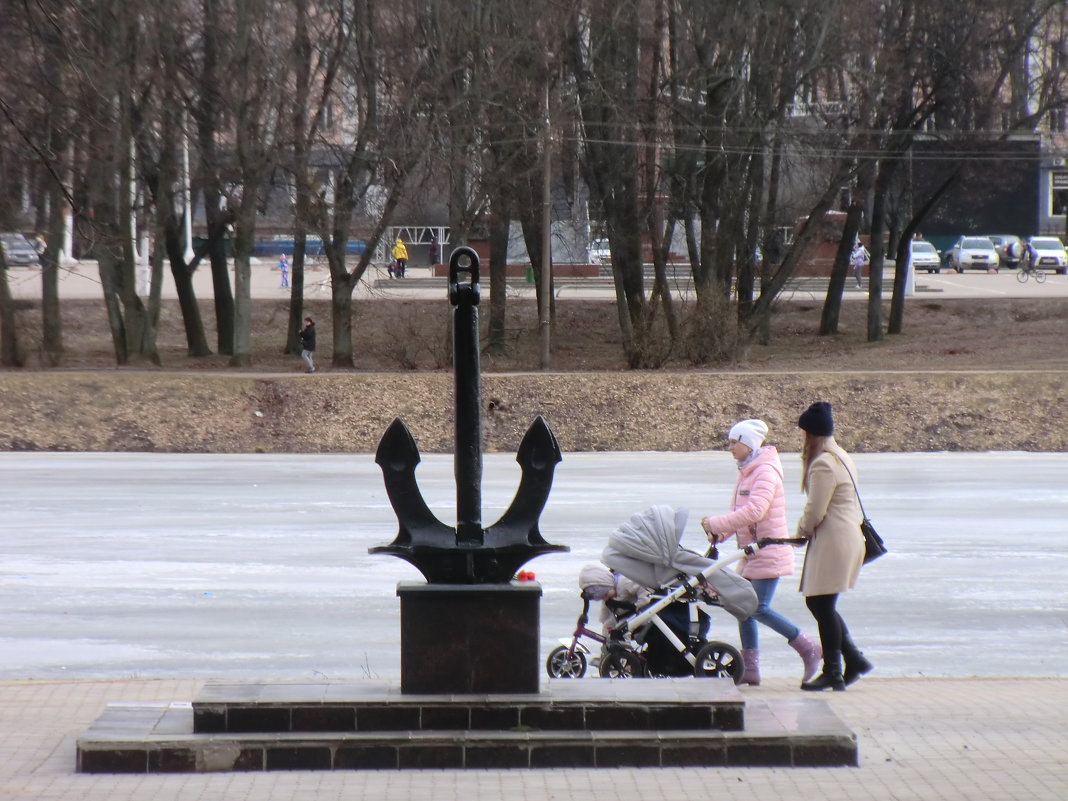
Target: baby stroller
{"x":666,"y":637}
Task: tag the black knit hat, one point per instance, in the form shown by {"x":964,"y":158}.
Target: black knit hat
{"x":817,"y":420}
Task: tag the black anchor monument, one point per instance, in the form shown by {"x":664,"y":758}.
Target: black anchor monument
{"x":469,"y":628}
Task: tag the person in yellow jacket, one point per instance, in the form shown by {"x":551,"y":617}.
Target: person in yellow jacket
{"x":400,"y":257}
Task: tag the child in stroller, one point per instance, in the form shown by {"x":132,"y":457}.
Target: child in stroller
{"x":665,"y":637}
{"x":619,"y":596}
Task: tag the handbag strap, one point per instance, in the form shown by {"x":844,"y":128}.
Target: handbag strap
{"x":853,"y":482}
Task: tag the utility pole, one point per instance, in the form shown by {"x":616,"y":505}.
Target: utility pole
{"x":187,"y":197}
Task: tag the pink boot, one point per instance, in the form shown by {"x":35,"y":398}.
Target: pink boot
{"x":751,"y":663}
{"x":810,"y":652}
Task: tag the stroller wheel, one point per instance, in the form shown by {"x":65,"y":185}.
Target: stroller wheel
{"x":718,"y":660}
{"x":621,"y":664}
{"x":561,"y":665}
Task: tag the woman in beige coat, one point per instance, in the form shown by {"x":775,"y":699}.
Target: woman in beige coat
{"x":831,"y":524}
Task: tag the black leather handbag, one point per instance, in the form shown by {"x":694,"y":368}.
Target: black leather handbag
{"x":873,"y":543}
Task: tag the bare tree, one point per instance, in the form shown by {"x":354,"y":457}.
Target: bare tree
{"x":605,"y":54}
{"x":378,"y":149}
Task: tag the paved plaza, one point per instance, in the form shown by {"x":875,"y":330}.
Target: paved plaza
{"x":919,"y":740}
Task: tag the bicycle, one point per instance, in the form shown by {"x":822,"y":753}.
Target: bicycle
{"x":1028,"y":270}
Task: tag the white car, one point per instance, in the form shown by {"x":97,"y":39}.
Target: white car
{"x":18,"y":251}
{"x":923,"y":256}
{"x":600,"y":253}
{"x":1048,"y":252}
{"x":973,"y":251}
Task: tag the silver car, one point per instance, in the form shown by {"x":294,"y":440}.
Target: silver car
{"x":17,"y":251}
{"x":973,"y":251}
{"x":923,"y":256}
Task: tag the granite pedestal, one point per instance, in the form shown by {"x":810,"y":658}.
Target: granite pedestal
{"x":470,"y":638}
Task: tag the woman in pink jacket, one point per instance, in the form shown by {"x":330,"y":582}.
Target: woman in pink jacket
{"x":758,"y":510}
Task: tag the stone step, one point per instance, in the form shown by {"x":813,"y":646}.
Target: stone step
{"x":160,"y":737}
{"x":565,"y":705}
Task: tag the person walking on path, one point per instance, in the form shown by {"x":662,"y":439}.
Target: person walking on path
{"x":831,"y":524}
{"x":283,"y":265}
{"x":758,"y":510}
{"x":859,"y":258}
{"x":307,"y":344}
{"x":400,"y":256}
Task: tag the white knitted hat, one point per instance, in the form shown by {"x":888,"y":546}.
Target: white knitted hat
{"x":595,"y":574}
{"x":749,"y":432}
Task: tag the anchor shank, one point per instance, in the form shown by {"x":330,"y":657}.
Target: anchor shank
{"x":468,"y":404}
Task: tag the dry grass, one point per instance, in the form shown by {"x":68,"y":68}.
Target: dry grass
{"x":955,"y":380}
{"x":413,"y":335}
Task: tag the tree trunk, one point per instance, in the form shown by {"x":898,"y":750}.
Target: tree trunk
{"x":302,"y":48}
{"x":140,"y":334}
{"x":498,"y":277}
{"x":207,"y":113}
{"x":341,"y":314}
{"x":9,"y":346}
{"x":195,"y":339}
{"x":832,"y":303}
{"x":244,"y":237}
{"x":897,"y":302}
{"x":661,"y":251}
{"x":169,"y":239}
{"x":296,"y":277}
{"x":887,"y":168}
{"x":51,"y":319}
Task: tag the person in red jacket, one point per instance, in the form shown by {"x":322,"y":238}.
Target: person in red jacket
{"x":758,"y":510}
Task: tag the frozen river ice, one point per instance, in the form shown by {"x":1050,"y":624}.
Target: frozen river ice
{"x":254,"y":566}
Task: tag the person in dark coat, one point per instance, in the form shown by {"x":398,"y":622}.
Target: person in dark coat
{"x":307,"y":343}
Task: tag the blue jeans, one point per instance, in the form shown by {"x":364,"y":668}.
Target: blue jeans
{"x":747,"y":629}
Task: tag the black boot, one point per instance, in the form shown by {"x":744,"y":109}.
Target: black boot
{"x":855,"y":663}
{"x":831,"y":677}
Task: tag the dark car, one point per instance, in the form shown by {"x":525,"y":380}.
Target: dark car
{"x":1009,"y":248}
{"x":18,"y":251}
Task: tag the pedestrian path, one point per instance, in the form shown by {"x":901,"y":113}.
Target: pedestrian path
{"x":930,"y":739}
{"x":80,"y":280}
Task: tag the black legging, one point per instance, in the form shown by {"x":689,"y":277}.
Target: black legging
{"x":832,"y":628}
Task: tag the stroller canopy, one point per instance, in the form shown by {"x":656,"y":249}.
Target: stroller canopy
{"x":647,"y":548}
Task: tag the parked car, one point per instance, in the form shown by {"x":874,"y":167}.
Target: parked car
{"x":18,"y":251}
{"x":600,"y":252}
{"x":1047,"y":252}
{"x":1008,"y":247}
{"x":973,"y":251}
{"x":923,"y":256}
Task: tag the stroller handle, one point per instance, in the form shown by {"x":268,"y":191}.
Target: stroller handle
{"x":766,"y":541}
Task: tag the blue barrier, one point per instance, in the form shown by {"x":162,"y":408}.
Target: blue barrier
{"x":314,"y":247}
